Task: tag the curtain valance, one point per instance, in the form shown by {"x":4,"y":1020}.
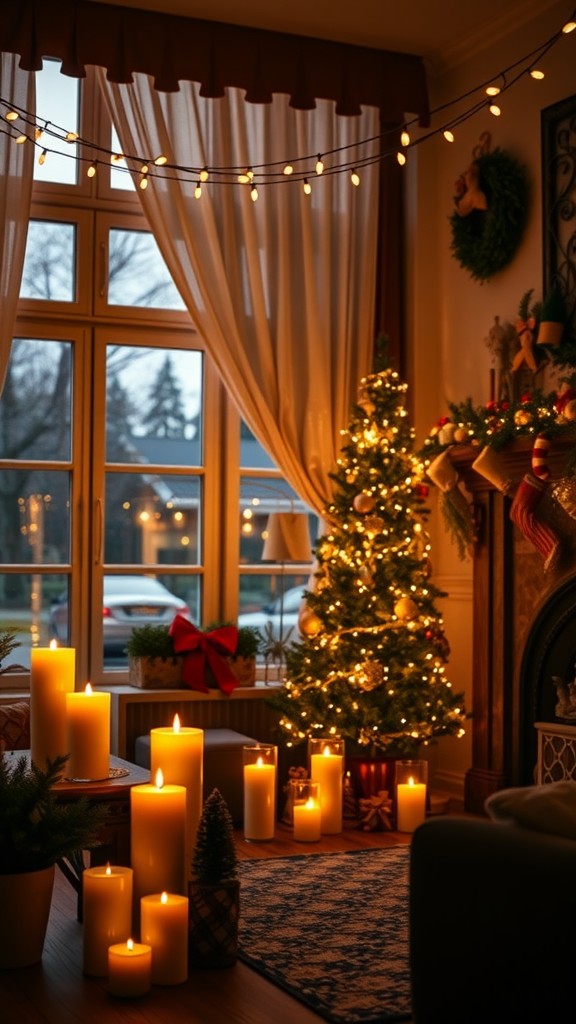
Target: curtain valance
{"x":124,"y":40}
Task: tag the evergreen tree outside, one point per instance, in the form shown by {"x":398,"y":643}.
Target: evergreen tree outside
{"x":371,"y":665}
{"x":165,"y":415}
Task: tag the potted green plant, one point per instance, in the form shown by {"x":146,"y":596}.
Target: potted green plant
{"x":214,"y":889}
{"x":36,"y":831}
{"x":553,"y":318}
{"x":152,"y":663}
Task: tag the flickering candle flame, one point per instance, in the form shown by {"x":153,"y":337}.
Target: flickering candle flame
{"x":164,"y":897}
{"x":53,"y":645}
{"x":129,"y":943}
{"x":108,"y":869}
{"x":159,"y":779}
{"x":176,"y":723}
{"x":88,"y":689}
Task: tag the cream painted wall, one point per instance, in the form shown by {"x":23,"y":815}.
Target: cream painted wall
{"x":449,"y":314}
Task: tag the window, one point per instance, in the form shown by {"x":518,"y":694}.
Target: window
{"x":128,"y":487}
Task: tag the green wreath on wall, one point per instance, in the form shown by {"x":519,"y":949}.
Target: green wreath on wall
{"x":491,"y":212}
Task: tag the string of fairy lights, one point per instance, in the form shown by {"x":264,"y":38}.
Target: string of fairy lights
{"x":22,"y":126}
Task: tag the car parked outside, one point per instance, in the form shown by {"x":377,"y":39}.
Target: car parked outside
{"x":128,"y":601}
{"x":268,"y":618}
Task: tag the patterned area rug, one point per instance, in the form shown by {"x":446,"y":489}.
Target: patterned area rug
{"x":332,"y":930}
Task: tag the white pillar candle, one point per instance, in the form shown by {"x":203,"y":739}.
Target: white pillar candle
{"x":52,"y":671}
{"x":88,"y":734}
{"x":107,"y":914}
{"x":327,"y":768}
{"x":410,"y":804}
{"x":158,"y":838}
{"x":129,"y":969}
{"x":179,"y":752}
{"x":164,"y":926}
{"x":259,"y":792}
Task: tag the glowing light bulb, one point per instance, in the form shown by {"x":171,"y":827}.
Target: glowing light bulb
{"x":537,"y":74}
{"x":42,"y":157}
{"x":71,"y":136}
{"x":307,"y":187}
{"x":405,"y":138}
{"x":319,"y":165}
{"x":12,"y":115}
{"x":355,"y":178}
{"x":288,"y":169}
{"x":160,"y":160}
{"x":401,"y":159}
{"x":448,"y":135}
{"x":198,"y":191}
{"x":568,"y":27}
{"x":143,"y":183}
{"x":492,"y":90}
{"x":204,"y":174}
{"x":495,"y":109}
{"x":254,"y":193}
{"x":91,"y":170}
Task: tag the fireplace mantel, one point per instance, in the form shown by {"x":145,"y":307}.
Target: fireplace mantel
{"x":510,"y":586}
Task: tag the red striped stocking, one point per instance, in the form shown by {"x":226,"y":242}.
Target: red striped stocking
{"x":522,"y":513}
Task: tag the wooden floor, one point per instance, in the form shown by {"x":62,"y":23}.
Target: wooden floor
{"x":57,"y":992}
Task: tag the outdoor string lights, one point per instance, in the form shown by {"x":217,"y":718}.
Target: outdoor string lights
{"x":22,"y":126}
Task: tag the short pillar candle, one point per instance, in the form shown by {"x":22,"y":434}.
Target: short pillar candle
{"x":411,"y":783}
{"x":52,"y":671}
{"x":88,"y":734}
{"x":179,"y":751}
{"x":327,"y":768}
{"x":306,"y":810}
{"x":259,"y":791}
{"x":106,"y":914}
{"x":129,"y":969}
{"x":164,"y":926}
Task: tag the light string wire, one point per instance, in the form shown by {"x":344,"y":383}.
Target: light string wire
{"x":385,"y":145}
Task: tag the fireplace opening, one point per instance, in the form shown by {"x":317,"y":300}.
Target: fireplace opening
{"x":547,"y":686}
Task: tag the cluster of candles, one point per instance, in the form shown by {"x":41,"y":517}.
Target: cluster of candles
{"x":165,"y":814}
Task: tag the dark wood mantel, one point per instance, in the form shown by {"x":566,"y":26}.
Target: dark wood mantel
{"x":509,"y":587}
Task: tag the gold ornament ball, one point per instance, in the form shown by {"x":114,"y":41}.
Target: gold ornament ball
{"x":309,"y":623}
{"x":522,"y":418}
{"x":460,"y":435}
{"x":363,"y":503}
{"x":405,"y":608}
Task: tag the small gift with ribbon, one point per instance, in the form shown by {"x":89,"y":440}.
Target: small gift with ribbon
{"x":205,"y":654}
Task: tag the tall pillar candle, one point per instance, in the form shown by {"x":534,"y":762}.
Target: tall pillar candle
{"x":106,"y":915}
{"x":164,"y":926}
{"x":259,"y":791}
{"x":52,"y":671}
{"x":88,"y":733}
{"x":327,"y":768}
{"x":158,"y":838}
{"x":179,"y":752}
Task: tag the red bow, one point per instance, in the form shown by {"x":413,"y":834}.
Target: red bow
{"x":198,"y":647}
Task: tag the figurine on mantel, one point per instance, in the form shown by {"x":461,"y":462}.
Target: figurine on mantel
{"x":566,"y":706}
{"x":502,"y":342}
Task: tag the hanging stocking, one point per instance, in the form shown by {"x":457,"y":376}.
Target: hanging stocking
{"x":455,"y":507}
{"x":522,"y":513}
{"x":491,"y":466}
{"x":540,"y":467}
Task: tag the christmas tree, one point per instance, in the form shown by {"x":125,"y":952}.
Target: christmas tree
{"x":371,"y":664}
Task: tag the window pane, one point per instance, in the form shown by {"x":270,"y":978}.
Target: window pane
{"x":34,"y":516}
{"x":50,"y":262}
{"x":154,"y":405}
{"x":36,"y":405}
{"x":25,"y":607}
{"x":152,"y":519}
{"x":137,"y":273}
{"x":132,"y":601}
{"x":57,"y":99}
{"x":258,"y":499}
{"x":252,"y":454}
{"x":119,"y":175}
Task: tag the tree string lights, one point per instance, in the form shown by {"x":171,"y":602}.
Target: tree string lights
{"x":22,"y":126}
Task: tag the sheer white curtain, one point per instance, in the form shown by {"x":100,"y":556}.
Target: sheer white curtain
{"x":282,"y":290}
{"x":16,"y":170}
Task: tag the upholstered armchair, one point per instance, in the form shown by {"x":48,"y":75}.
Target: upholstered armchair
{"x":493,"y":916}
